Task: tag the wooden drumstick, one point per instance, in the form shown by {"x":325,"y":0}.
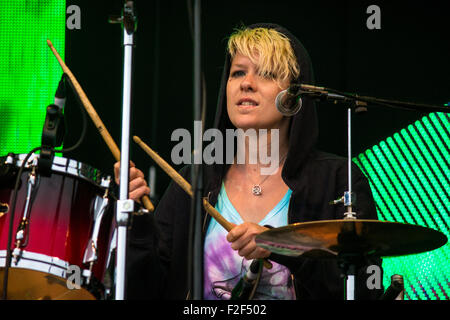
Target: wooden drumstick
{"x":165,"y":166}
{"x":187,"y":187}
{"x":182,"y":183}
{"x":95,"y":118}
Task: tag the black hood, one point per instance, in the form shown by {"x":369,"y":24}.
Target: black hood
{"x":303,"y":129}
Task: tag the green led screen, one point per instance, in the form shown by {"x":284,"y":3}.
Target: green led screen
{"x":29,"y":73}
{"x":409,"y":175}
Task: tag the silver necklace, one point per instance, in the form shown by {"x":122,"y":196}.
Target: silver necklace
{"x":256,"y":189}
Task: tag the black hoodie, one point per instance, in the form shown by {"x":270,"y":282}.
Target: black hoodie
{"x":157,"y":253}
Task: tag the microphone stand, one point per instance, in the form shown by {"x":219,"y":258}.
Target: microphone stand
{"x":349,"y":261}
{"x":361,"y":102}
{"x":125,"y":206}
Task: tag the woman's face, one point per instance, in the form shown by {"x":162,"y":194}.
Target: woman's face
{"x":251,"y":97}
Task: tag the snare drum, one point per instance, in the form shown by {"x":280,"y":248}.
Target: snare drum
{"x":63,"y":225}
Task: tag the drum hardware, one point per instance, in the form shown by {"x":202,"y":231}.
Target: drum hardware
{"x":22,"y":230}
{"x":9,"y":161}
{"x":90,"y":254}
{"x":349,"y":263}
{"x":108,"y":279}
{"x":348,"y":199}
{"x":4,"y":208}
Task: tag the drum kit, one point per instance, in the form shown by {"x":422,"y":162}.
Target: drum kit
{"x":57,"y":229}
{"x":66,"y":220}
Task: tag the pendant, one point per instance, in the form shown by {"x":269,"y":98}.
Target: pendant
{"x":256,"y":190}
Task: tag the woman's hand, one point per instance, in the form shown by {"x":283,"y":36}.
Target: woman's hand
{"x":242,"y":239}
{"x":138,"y":186}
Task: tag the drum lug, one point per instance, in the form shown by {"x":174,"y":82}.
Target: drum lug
{"x":90,"y":254}
{"x":17,"y":254}
{"x":88,"y":273}
{"x":4,"y":208}
{"x":22,"y":230}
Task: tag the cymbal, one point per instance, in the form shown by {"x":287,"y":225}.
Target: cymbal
{"x":330,"y":238}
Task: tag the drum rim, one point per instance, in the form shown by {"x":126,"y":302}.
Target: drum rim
{"x":62,"y":165}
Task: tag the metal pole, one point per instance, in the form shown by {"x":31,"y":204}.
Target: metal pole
{"x":349,"y":148}
{"x":348,"y":201}
{"x":197,"y":259}
{"x":350,"y":290}
{"x":124,"y":205}
{"x":348,"y":195}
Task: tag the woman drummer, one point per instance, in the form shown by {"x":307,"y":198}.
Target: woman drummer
{"x":254,"y":195}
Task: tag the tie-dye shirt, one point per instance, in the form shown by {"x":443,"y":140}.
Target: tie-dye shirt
{"x":223,"y":265}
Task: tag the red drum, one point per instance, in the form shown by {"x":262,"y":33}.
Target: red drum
{"x":63,"y":225}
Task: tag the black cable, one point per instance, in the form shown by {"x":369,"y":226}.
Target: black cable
{"x":84,"y":119}
{"x":82,"y":135}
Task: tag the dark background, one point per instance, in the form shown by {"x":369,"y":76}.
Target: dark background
{"x":408,"y":60}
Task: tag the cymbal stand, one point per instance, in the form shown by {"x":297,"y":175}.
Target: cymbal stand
{"x":349,"y":261}
{"x":350,"y":269}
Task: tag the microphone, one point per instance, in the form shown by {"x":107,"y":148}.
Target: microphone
{"x":396,"y":290}
{"x":60,"y":95}
{"x":244,"y":287}
{"x":53,"y":130}
{"x":289,"y":101}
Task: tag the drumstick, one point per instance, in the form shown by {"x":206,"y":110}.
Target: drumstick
{"x":182,"y":182}
{"x":95,"y":118}
{"x":187,"y":187}
{"x":165,"y":166}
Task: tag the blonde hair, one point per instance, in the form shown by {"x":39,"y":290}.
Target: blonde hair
{"x":268,"y":49}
